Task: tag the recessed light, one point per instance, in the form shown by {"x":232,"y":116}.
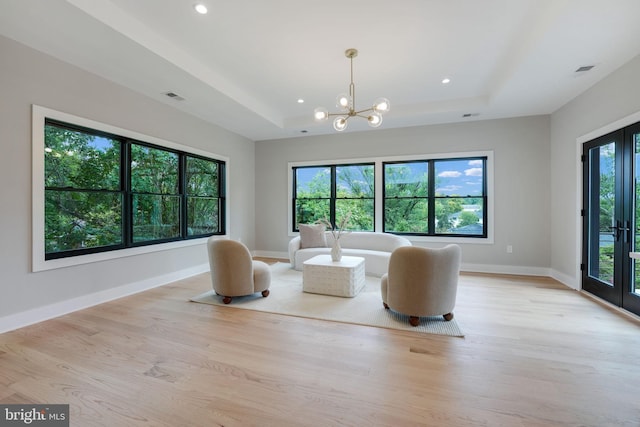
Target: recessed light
{"x":300,"y":101}
{"x":200,"y":8}
{"x":445,"y":81}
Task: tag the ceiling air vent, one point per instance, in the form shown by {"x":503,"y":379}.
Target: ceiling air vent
{"x":584,"y":68}
{"x":175,"y":96}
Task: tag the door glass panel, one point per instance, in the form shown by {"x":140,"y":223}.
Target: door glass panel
{"x":635,"y":271}
{"x":602,"y":201}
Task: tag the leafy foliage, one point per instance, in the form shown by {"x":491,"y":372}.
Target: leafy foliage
{"x":354,"y":192}
{"x":89,"y":216}
{"x":406,"y":204}
{"x":84,"y":192}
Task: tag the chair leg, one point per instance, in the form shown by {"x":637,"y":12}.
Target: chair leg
{"x":226,"y":300}
{"x":414,"y":320}
{"x":265,"y":293}
{"x":448,"y":316}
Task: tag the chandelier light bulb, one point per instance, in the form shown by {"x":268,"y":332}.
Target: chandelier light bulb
{"x":343,"y":102}
{"x":340,"y":123}
{"x":374,"y":120}
{"x":200,"y":8}
{"x":381,"y":105}
{"x":321,"y":114}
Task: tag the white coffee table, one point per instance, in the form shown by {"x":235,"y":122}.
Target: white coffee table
{"x":345,"y":278}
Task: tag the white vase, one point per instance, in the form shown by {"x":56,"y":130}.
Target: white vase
{"x":336,"y":251}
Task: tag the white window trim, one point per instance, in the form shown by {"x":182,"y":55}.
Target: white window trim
{"x":39,"y":263}
{"x":377,"y":161}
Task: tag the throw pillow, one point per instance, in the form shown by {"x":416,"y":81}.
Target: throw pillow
{"x":312,"y":236}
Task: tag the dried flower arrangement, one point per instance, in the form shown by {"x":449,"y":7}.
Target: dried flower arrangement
{"x":339,"y":229}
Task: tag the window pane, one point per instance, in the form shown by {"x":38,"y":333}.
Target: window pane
{"x":313,"y":182}
{"x":406,"y":216}
{"x":309,"y":211}
{"x":361,"y":210}
{"x":406,"y":179}
{"x":202,"y":177}
{"x":153,"y":170}
{"x":459,"y":216}
{"x":459,"y":177}
{"x":81,"y":220}
{"x":80,"y":160}
{"x":355,"y":181}
{"x":202,"y":215}
{"x":155,"y":217}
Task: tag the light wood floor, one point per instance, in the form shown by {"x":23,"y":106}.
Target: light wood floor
{"x":535,"y":354}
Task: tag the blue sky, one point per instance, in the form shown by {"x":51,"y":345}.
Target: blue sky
{"x":453,"y":177}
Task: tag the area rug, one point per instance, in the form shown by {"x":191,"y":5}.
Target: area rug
{"x":286,"y":297}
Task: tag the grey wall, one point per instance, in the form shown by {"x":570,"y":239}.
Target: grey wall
{"x":521,"y":155}
{"x":29,"y":77}
{"x":612,"y":99}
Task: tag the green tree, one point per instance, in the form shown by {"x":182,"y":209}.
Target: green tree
{"x":82,"y":200}
{"x":354,"y":195}
{"x":406,"y":191}
{"x":467,"y":218}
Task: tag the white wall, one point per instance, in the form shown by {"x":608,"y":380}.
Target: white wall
{"x":521,"y":157}
{"x":609,"y":101}
{"x":29,"y":77}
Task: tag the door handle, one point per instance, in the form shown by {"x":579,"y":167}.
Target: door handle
{"x":619,"y":229}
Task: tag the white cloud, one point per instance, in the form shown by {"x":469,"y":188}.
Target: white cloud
{"x":475,"y":163}
{"x":449,"y":174}
{"x":473,"y":172}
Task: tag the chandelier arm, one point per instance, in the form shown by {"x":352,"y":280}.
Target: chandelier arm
{"x":357,"y":113}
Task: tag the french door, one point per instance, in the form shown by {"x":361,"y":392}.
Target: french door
{"x":611,"y":218}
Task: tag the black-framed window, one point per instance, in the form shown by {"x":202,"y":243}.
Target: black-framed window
{"x":106,"y":192}
{"x":436,"y":197}
{"x":155,"y":194}
{"x":333,"y":191}
{"x":204,"y":181}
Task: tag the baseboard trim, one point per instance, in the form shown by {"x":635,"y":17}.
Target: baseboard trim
{"x":36,"y":315}
{"x":505,"y":269}
{"x":470,"y":268}
{"x":572,"y":282}
{"x":271,"y":254}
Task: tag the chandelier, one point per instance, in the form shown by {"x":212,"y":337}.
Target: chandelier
{"x":347,"y":102}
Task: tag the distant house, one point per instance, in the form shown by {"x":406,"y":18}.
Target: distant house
{"x":454,"y":219}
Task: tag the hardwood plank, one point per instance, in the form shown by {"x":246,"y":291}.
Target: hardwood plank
{"x":535,"y":354}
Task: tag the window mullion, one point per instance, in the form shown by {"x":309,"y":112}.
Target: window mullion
{"x":431,"y":198}
{"x":332,"y":201}
{"x":125,"y":185}
{"x":182,"y":190}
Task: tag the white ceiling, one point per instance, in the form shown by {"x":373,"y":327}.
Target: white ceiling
{"x":245,"y":64}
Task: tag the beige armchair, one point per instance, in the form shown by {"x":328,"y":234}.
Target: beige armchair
{"x":422,"y":282}
{"x":233,"y":272}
